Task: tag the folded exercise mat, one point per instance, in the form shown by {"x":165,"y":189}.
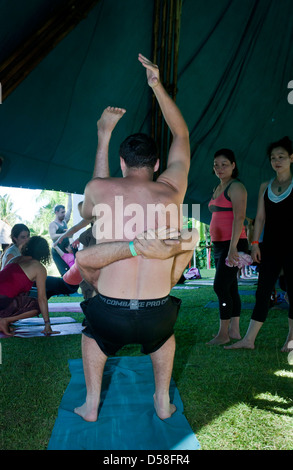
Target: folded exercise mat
{"x":33,"y":331}
{"x":200,"y":282}
{"x":40,"y":321}
{"x":73,"y":307}
{"x":127,"y":419}
{"x":185,"y":287}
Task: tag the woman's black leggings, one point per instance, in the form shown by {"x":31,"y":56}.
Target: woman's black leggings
{"x":269,"y":271}
{"x":225,"y":282}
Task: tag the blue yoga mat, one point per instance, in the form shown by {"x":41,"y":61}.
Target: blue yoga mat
{"x":127,"y":419}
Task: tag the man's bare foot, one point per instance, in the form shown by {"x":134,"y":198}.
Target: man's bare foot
{"x":288,"y":346}
{"x":4,"y":327}
{"x":109,"y":118}
{"x":219,"y":339}
{"x":87,"y":412}
{"x":243,"y":344}
{"x":164,"y":408}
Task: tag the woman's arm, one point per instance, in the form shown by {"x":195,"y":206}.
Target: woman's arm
{"x":8,"y":258}
{"x":238,"y":196}
{"x":258,"y":224}
{"x":59,"y":251}
{"x":41,"y":275}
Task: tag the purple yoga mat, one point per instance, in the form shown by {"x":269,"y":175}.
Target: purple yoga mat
{"x":33,"y":331}
{"x":65,"y":307}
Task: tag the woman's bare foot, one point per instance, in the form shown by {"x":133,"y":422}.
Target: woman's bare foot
{"x":164,"y":408}
{"x":109,"y":119}
{"x":243,"y":344}
{"x":219,"y":339}
{"x":234,"y":334}
{"x":233,"y":330}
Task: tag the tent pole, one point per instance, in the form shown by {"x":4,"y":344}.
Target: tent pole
{"x":166,"y":29}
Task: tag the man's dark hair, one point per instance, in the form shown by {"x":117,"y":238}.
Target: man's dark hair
{"x":58,"y":207}
{"x":139,"y":150}
{"x":38,"y":248}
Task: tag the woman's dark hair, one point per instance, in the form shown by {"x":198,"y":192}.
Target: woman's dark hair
{"x":65,"y":244}
{"x":17,"y":229}
{"x":139,"y":150}
{"x":285,"y":143}
{"x":231,"y":157}
{"x":38,"y":248}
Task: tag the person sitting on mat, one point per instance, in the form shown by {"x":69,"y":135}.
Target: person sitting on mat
{"x":17,"y":279}
{"x":20,"y":233}
{"x":135,"y":289}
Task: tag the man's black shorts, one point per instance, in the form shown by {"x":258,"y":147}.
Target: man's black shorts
{"x":113,"y":323}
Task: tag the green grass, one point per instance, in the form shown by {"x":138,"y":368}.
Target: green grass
{"x":232,"y":399}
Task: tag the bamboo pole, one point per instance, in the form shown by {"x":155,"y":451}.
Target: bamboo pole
{"x":176,"y":45}
{"x":169,"y":66}
{"x":166,"y":31}
{"x":155,"y":60}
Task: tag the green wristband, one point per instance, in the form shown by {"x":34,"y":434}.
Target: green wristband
{"x":132,"y":249}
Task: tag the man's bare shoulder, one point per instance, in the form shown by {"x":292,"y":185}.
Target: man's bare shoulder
{"x":98,"y":182}
{"x":141,"y":192}
{"x":167,"y":188}
{"x":166,"y":184}
{"x":175,"y":179}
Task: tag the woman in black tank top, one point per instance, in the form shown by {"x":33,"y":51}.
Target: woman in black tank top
{"x":275,"y":217}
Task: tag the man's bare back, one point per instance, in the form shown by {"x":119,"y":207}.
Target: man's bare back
{"x":134,"y":205}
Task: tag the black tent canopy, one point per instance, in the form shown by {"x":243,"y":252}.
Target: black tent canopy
{"x":62,"y":62}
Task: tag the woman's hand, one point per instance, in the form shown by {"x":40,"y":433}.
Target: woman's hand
{"x":255,"y":253}
{"x":47,"y":331}
{"x":232,"y":257}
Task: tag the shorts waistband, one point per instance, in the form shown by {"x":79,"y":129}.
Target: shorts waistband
{"x":133,"y":304}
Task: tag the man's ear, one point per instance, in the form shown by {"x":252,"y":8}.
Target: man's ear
{"x":156,"y":167}
{"x":122,"y":164}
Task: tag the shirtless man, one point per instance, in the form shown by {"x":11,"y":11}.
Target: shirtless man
{"x":135,"y":281}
